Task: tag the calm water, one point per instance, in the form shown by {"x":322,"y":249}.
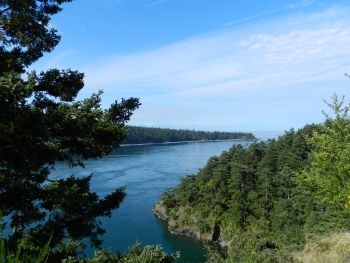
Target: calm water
{"x":146,"y":171}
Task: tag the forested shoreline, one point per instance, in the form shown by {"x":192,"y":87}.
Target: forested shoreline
{"x":281,"y":200}
{"x":263,"y":203}
{"x":148,"y":135}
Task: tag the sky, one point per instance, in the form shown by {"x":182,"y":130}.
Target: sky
{"x":228,"y":65}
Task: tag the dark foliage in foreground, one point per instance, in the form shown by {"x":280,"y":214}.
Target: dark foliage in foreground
{"x":41,"y":122}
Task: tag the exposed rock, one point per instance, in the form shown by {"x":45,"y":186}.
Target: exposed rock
{"x":174,"y":228}
{"x":160,"y":211}
{"x":185,"y":231}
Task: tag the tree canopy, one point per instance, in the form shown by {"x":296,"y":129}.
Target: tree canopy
{"x":42,"y":122}
{"x":25,"y":33}
{"x":264,"y":201}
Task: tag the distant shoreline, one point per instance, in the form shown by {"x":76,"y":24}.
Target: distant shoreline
{"x":178,"y":142}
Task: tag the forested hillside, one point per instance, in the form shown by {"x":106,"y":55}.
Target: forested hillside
{"x":138,"y":135}
{"x":261,"y":203}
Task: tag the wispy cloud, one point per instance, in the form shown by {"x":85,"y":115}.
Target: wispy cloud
{"x":157,"y":2}
{"x":303,"y":3}
{"x":296,"y":5}
{"x":236,"y":78}
{"x":296,"y":53}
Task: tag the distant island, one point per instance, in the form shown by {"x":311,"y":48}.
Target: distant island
{"x":142,"y":135}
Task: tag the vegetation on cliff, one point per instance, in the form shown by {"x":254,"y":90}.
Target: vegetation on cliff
{"x":334,"y":248}
{"x":260,"y":203}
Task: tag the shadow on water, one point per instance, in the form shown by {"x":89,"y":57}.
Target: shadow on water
{"x":192,"y":251}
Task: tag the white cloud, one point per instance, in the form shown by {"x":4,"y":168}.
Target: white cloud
{"x":227,"y":60}
{"x":193,"y":82}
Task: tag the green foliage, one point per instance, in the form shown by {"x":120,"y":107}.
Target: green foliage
{"x":136,"y":254}
{"x":42,"y":122}
{"x":328,"y":175}
{"x":138,"y":135}
{"x":251,"y":193}
{"x":271,"y":197}
{"x":19,"y":255}
{"x":149,"y":254}
{"x":25,"y":33}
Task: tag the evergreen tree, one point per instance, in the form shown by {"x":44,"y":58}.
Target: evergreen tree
{"x":327,"y":178}
{"x":138,"y":135}
{"x":253,"y":196}
{"x":41,"y":122}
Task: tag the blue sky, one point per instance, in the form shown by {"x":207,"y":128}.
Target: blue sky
{"x":212,"y":65}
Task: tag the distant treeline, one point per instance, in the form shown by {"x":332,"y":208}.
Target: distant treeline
{"x":137,"y":135}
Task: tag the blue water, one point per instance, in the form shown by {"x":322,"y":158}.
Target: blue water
{"x":146,"y":171}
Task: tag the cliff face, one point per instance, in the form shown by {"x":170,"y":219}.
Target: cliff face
{"x":175,"y":224}
{"x":160,"y":212}
{"x":186,"y":224}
